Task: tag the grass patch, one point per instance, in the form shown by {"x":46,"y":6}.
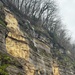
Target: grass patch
{"x":3,"y":69}
{"x":6,"y":61}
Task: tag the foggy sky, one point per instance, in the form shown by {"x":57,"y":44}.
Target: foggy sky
{"x":67,"y":13}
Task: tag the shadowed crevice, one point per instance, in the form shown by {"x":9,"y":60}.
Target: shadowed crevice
{"x":18,"y":40}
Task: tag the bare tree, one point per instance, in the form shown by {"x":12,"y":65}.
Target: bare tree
{"x":43,"y":13}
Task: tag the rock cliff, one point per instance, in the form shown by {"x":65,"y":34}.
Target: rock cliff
{"x":28,"y":49}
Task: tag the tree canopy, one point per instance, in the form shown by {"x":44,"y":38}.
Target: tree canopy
{"x":45,"y":14}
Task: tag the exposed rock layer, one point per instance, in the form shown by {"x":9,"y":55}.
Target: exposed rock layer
{"x":34,"y":51}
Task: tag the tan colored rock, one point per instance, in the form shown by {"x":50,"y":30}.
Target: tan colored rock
{"x":30,"y":70}
{"x":16,"y":44}
{"x":18,"y":47}
{"x":55,"y":68}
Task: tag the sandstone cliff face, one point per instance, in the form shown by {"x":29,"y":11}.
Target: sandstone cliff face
{"x":33,"y":60}
{"x":17,"y":45}
{"x":33,"y":49}
{"x":15,"y":39}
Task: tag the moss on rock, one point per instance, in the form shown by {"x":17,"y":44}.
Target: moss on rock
{"x":6,"y":61}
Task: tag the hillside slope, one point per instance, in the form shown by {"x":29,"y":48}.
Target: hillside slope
{"x":26,"y":49}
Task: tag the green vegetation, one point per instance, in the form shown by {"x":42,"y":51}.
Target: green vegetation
{"x":3,"y":69}
{"x":6,"y":61}
{"x":2,"y":23}
{"x":65,"y":61}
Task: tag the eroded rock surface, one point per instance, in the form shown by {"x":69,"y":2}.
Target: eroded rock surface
{"x":32,"y":47}
{"x":17,"y":45}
